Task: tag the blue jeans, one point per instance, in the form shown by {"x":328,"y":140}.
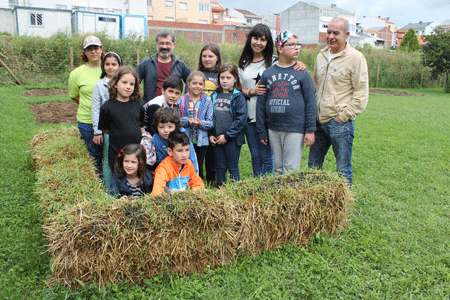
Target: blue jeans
{"x":227,"y":158}
{"x":340,"y":137}
{"x":87,"y":134}
{"x":262,"y":161}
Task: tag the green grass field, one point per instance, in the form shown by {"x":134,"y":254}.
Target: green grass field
{"x":397,"y":245}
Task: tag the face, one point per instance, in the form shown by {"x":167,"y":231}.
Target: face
{"x":165,"y":46}
{"x":209,"y":59}
{"x":171,"y":95}
{"x":164,"y":129}
{"x":93,"y":53}
{"x":196,"y":85}
{"x":111,"y":65}
{"x":227,"y":81}
{"x":336,"y":36}
{"x":125,"y":87}
{"x":130,"y":164}
{"x":258,"y":44}
{"x":290,"y":48}
{"x":179,"y":153}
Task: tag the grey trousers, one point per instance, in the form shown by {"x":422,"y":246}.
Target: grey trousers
{"x":287,"y":149}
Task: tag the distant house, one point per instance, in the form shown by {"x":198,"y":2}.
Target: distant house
{"x":310,"y":22}
{"x":421,"y":28}
{"x":245,"y":16}
{"x":44,"y":22}
{"x":272,"y":21}
{"x":366,"y":38}
{"x":218,"y":11}
{"x":381,"y":28}
{"x":191,"y":11}
{"x":445,"y":25}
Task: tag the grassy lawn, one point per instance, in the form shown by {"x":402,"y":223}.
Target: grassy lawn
{"x":397,"y":245}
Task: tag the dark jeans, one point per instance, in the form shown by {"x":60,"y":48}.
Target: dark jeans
{"x":227,"y":158}
{"x":87,"y":134}
{"x":201,"y":153}
{"x":262,"y":160}
{"x":210,"y":164}
{"x":340,"y":137}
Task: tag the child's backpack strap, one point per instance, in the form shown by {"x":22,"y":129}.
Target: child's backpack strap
{"x":183,"y":101}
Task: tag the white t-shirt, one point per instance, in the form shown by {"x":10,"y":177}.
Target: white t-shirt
{"x":331,"y":56}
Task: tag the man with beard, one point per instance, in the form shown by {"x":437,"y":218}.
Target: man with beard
{"x":155,"y":69}
{"x":342,"y":91}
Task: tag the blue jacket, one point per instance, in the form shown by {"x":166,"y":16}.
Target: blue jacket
{"x":205,"y":114}
{"x":119,"y":186}
{"x":161,"y":150}
{"x":238,"y":108}
{"x":148,"y":71}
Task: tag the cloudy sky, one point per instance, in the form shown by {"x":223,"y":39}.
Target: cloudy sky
{"x":401,"y":12}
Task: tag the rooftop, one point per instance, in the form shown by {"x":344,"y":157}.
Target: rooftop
{"x":415,"y":26}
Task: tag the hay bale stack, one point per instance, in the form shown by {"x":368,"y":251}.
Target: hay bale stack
{"x":95,"y":238}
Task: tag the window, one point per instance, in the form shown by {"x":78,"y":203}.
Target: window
{"x":60,"y":6}
{"x":169,"y":19}
{"x":13,"y":2}
{"x":79,"y":8}
{"x":149,"y":2}
{"x":235,"y":35}
{"x":183,"y":5}
{"x":208,"y":35}
{"x":169,"y":4}
{"x":150,"y":17}
{"x":249,"y":21}
{"x":195,"y":33}
{"x":106,"y":19}
{"x":216,"y":16}
{"x":203,"y":6}
{"x":36,"y":19}
{"x":202,"y":22}
{"x":180,"y":32}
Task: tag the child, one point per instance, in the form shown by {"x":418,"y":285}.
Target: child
{"x":176,"y":171}
{"x":123,"y":115}
{"x":209,"y":63}
{"x":196,"y":112}
{"x":130,"y":176}
{"x":110,"y":63}
{"x":165,"y":121}
{"x":171,"y":92}
{"x":230,"y":119}
{"x":288,"y":106}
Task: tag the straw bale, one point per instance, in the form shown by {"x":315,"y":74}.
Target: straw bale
{"x":95,"y":238}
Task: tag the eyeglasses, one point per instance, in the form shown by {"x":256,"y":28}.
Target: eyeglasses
{"x":293,"y":45}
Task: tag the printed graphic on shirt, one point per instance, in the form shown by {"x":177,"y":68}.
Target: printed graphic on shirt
{"x":279,"y":85}
{"x":209,"y":88}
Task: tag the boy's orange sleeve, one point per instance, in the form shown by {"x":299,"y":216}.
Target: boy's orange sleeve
{"x":161,"y":179}
{"x":195,"y":182}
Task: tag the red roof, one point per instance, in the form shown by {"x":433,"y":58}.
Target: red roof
{"x":217,"y":7}
{"x":245,"y":12}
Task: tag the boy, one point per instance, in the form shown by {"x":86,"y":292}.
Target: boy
{"x":165,"y":121}
{"x":171,"y":92}
{"x":288,"y":107}
{"x":176,"y":171}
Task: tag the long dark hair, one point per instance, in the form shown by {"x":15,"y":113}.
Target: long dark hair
{"x":214,"y":48}
{"x":230,"y":67}
{"x":136,"y":95}
{"x":258,"y":30}
{"x":109,"y":54}
{"x":129,"y":149}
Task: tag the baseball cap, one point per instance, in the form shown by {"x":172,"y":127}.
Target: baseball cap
{"x":283,"y":36}
{"x":91,"y":40}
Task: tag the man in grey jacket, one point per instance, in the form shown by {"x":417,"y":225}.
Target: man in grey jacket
{"x":155,"y":69}
{"x":342,"y":91}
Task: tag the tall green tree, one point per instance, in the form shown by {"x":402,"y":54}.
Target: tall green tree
{"x":436,"y":54}
{"x":409,"y":42}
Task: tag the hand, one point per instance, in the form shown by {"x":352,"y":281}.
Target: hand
{"x":191,"y":121}
{"x":98,"y":139}
{"x":221,"y":139}
{"x":143,"y":129}
{"x":260,"y":89}
{"x":197,"y":122}
{"x":309,"y":139}
{"x":264,"y":141}
{"x":213,"y":140}
{"x":299,"y":66}
{"x":124,"y":198}
{"x":338,"y":119}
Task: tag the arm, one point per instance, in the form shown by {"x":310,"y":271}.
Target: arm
{"x":193,"y":157}
{"x":161,"y":179}
{"x":208,"y":121}
{"x":240,"y":117}
{"x":360,"y":97}
{"x":261,"y":116}
{"x":195,"y":182}
{"x":183,"y":116}
{"x":95,"y":112}
{"x":74,"y":89}
{"x":114,"y":187}
{"x":309,"y":96}
{"x":104,"y":120}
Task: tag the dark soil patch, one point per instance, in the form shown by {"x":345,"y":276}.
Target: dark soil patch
{"x":42,"y":92}
{"x":55,"y":112}
{"x":394,"y":93}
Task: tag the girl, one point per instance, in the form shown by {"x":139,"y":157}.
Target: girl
{"x":209,"y":63}
{"x":123,"y":115}
{"x":196,"y":113}
{"x":131,"y":177}
{"x":230,"y":117}
{"x":110,"y":63}
{"x":256,"y":57}
{"x":81,"y":84}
